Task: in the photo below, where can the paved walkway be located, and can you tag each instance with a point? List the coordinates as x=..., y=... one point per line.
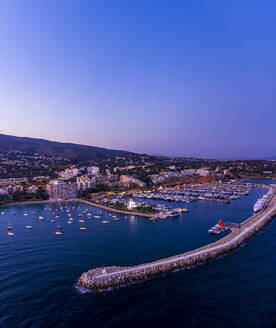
x=115, y=210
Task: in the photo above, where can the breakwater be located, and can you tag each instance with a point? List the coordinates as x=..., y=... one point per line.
x=115, y=210
x=103, y=278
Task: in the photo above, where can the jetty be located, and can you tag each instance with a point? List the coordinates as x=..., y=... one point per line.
x=114, y=276
x=115, y=210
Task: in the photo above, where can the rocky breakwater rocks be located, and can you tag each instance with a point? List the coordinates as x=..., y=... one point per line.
x=107, y=277
x=97, y=278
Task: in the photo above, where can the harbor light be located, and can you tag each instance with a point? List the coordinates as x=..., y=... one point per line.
x=131, y=204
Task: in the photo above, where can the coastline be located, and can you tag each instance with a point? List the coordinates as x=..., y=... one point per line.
x=33, y=202
x=111, y=209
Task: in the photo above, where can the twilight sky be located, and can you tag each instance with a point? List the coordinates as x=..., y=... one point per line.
x=192, y=78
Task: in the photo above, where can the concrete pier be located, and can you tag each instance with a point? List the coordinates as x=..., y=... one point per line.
x=115, y=210
x=106, y=277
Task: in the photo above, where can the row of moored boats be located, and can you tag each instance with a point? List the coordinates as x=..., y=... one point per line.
x=68, y=210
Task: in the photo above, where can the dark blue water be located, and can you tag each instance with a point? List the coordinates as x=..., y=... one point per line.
x=262, y=181
x=38, y=271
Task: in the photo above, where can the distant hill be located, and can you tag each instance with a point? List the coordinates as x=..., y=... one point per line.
x=71, y=151
x=272, y=158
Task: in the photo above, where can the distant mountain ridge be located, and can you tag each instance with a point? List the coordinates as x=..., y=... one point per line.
x=272, y=158
x=74, y=152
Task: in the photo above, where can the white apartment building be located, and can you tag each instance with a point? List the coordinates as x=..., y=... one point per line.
x=203, y=172
x=58, y=189
x=93, y=170
x=188, y=172
x=69, y=173
x=32, y=189
x=128, y=181
x=10, y=181
x=84, y=182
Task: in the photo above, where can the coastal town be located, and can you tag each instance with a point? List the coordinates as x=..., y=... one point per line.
x=127, y=182
x=137, y=185
x=137, y=164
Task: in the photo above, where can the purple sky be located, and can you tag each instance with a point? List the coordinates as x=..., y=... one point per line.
x=191, y=78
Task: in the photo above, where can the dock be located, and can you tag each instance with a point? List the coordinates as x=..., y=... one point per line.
x=107, y=277
x=115, y=210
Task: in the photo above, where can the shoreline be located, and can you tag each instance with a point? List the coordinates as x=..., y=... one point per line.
x=33, y=202
x=115, y=210
x=90, y=203
x=106, y=277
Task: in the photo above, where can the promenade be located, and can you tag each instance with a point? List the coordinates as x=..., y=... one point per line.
x=103, y=278
x=115, y=210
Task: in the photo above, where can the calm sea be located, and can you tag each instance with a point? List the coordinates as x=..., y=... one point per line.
x=38, y=270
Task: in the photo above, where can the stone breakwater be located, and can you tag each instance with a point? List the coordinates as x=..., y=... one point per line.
x=107, y=277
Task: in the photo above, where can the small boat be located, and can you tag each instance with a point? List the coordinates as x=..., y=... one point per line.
x=97, y=216
x=10, y=233
x=71, y=219
x=53, y=221
x=82, y=228
x=116, y=219
x=9, y=226
x=25, y=214
x=69, y=222
x=105, y=221
x=29, y=227
x=41, y=218
x=81, y=221
x=79, y=215
x=3, y=213
x=57, y=216
x=58, y=233
x=59, y=227
x=89, y=214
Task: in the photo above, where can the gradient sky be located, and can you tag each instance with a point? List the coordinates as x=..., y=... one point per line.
x=191, y=78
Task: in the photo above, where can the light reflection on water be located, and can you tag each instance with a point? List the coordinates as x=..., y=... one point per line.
x=39, y=270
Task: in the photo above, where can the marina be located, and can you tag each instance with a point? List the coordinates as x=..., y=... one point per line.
x=47, y=264
x=137, y=164
x=104, y=278
x=219, y=192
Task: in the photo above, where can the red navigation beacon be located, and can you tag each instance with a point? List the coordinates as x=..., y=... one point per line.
x=221, y=223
